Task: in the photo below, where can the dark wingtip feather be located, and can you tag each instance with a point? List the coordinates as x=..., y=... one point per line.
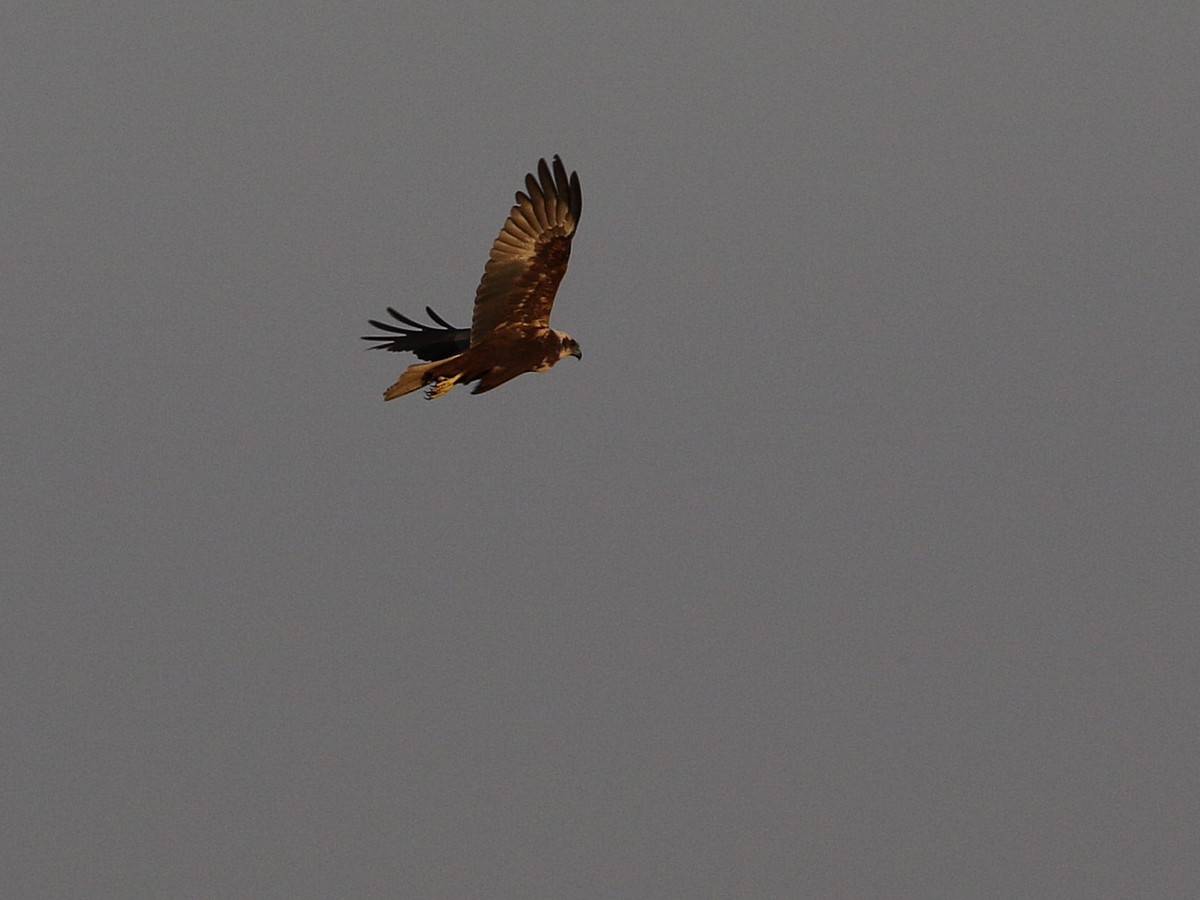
x=533, y=186
x=425, y=341
x=544, y=177
x=567, y=187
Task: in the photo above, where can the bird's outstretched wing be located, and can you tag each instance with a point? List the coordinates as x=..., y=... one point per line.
x=529, y=257
x=426, y=341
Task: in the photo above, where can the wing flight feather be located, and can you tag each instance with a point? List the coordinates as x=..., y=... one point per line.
x=425, y=341
x=529, y=257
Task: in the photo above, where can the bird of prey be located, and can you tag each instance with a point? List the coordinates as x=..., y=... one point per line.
x=510, y=331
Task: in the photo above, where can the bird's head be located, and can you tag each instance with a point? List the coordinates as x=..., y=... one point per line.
x=570, y=347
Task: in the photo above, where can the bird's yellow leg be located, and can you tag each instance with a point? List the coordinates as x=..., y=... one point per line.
x=441, y=386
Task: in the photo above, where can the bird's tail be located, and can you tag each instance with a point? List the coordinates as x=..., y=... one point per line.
x=413, y=378
x=419, y=375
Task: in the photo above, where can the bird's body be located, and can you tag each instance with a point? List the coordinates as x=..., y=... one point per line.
x=491, y=362
x=510, y=332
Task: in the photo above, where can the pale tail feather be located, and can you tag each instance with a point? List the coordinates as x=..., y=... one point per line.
x=413, y=378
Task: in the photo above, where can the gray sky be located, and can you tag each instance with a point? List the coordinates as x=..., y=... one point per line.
x=856, y=558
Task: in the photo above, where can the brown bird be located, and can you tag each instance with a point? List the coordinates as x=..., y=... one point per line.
x=510, y=331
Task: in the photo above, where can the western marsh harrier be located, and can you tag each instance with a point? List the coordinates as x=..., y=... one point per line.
x=510, y=331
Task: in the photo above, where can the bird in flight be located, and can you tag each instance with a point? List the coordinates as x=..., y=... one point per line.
x=510, y=331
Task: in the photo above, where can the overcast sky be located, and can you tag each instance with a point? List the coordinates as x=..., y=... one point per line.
x=856, y=558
